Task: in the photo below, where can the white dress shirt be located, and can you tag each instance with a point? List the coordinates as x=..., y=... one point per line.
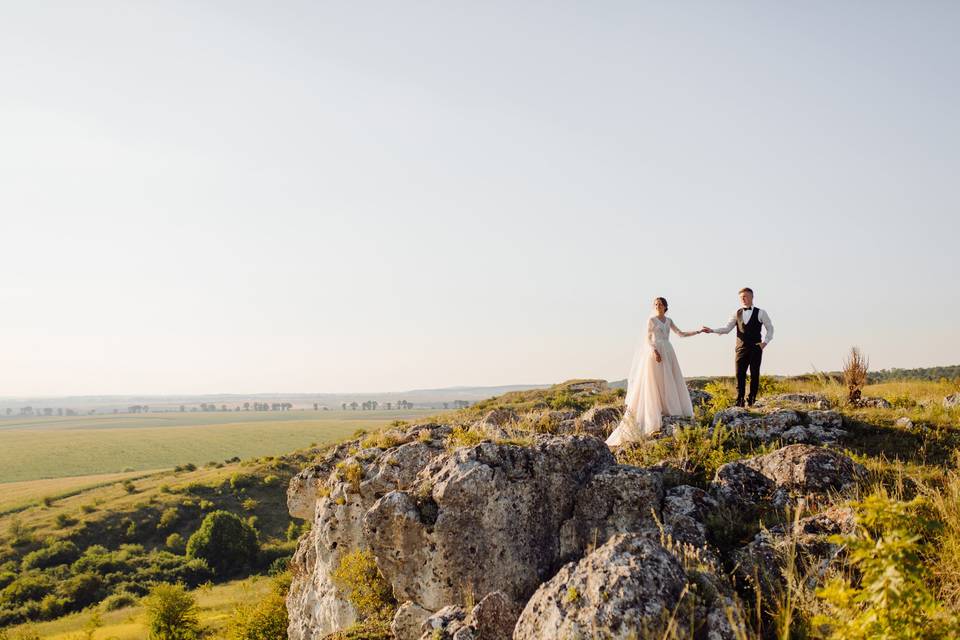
x=747, y=314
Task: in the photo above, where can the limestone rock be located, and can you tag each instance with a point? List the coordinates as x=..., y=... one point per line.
x=628, y=588
x=485, y=518
x=875, y=403
x=600, y=421
x=951, y=401
x=761, y=562
x=493, y=618
x=619, y=499
x=808, y=469
x=685, y=510
x=408, y=620
x=699, y=397
x=355, y=484
x=904, y=423
x=817, y=400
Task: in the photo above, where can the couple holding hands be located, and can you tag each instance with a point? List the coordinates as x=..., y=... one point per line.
x=655, y=386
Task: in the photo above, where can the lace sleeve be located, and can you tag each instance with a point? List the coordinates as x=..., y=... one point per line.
x=683, y=334
x=651, y=337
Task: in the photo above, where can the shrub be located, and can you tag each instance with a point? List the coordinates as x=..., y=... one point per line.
x=47, y=501
x=855, y=368
x=27, y=587
x=240, y=481
x=20, y=533
x=891, y=598
x=171, y=613
x=81, y=590
x=87, y=508
x=168, y=518
x=249, y=504
x=352, y=473
x=358, y=578
x=721, y=395
x=119, y=600
x=63, y=520
x=175, y=542
x=565, y=400
x=59, y=552
x=128, y=486
x=266, y=620
x=271, y=480
x=185, y=467
x=225, y=542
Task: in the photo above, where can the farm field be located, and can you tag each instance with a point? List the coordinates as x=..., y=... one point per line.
x=45, y=448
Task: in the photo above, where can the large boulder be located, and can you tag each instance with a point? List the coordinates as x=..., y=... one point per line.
x=685, y=512
x=778, y=478
x=483, y=519
x=357, y=479
x=807, y=469
x=631, y=587
x=619, y=499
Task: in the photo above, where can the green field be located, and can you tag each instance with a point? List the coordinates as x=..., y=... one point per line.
x=215, y=603
x=42, y=448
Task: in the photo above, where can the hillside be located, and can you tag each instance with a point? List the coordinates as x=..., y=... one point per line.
x=511, y=519
x=495, y=520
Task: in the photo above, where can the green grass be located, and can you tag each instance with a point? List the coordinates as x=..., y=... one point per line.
x=17, y=496
x=216, y=603
x=39, y=448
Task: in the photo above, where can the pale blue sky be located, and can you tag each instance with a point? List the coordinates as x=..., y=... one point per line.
x=347, y=196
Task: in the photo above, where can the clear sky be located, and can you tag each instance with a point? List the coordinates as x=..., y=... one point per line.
x=348, y=196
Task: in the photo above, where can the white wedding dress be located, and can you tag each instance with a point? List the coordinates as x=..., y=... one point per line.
x=654, y=389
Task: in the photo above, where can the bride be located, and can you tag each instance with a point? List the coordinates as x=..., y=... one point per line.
x=656, y=386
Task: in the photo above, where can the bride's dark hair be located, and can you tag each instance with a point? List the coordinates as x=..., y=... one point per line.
x=664, y=301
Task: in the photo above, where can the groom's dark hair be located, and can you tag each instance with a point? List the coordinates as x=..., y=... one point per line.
x=746, y=289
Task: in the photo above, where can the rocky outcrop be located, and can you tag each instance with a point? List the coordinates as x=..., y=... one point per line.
x=872, y=403
x=952, y=401
x=354, y=483
x=470, y=535
x=630, y=587
x=486, y=518
x=794, y=471
x=817, y=400
x=785, y=425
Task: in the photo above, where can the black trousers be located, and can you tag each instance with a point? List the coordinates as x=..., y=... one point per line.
x=748, y=356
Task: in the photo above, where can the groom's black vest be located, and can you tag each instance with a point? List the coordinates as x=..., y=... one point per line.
x=748, y=333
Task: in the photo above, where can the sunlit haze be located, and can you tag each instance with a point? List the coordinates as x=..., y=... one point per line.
x=254, y=197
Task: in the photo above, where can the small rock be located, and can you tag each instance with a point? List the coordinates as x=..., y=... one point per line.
x=875, y=403
x=951, y=401
x=904, y=423
x=600, y=421
x=816, y=399
x=408, y=620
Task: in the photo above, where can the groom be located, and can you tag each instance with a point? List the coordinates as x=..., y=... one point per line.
x=748, y=320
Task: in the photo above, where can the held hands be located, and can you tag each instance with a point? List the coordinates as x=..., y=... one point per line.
x=706, y=329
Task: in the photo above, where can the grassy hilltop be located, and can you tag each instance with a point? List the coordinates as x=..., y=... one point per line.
x=127, y=534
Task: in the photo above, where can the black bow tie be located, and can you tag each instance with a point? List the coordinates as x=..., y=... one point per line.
x=748, y=308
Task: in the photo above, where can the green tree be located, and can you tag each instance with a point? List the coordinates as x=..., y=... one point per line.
x=171, y=613
x=225, y=542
